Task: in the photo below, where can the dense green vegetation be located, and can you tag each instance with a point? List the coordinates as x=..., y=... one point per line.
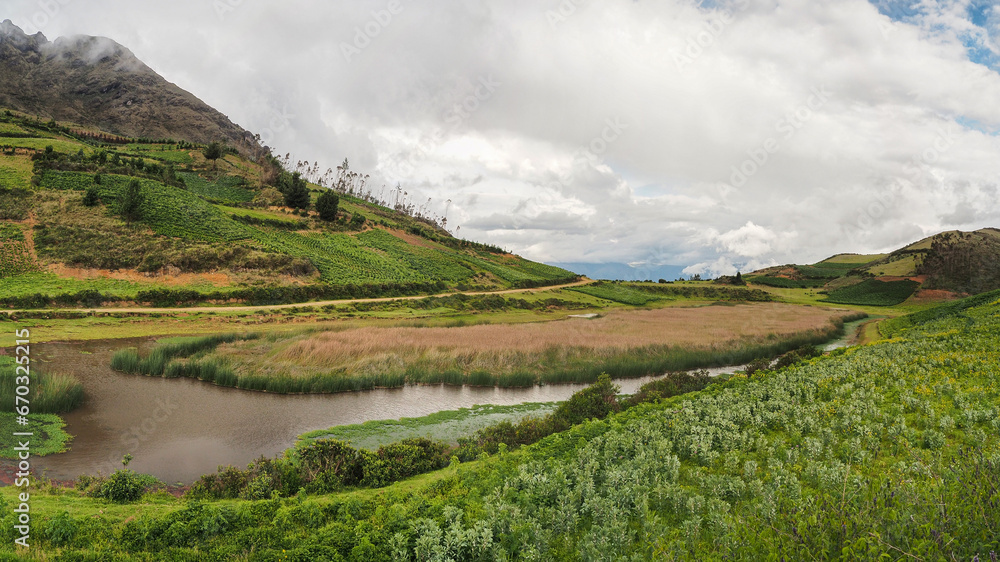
x=954, y=310
x=889, y=451
x=226, y=189
x=874, y=293
x=47, y=429
x=639, y=294
x=323, y=466
x=786, y=283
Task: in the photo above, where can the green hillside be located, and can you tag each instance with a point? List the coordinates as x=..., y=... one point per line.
x=955, y=262
x=211, y=228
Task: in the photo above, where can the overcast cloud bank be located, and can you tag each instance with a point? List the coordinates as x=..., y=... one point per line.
x=718, y=135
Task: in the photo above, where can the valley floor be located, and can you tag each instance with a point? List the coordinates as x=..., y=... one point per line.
x=884, y=450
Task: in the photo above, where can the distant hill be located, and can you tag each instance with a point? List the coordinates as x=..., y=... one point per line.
x=963, y=262
x=953, y=262
x=624, y=271
x=95, y=82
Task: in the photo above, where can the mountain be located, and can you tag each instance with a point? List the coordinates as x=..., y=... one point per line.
x=209, y=230
x=94, y=82
x=624, y=271
x=112, y=198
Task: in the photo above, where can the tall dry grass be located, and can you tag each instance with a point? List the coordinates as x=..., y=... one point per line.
x=685, y=327
x=624, y=344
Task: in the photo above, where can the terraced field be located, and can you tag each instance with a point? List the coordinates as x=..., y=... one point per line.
x=874, y=293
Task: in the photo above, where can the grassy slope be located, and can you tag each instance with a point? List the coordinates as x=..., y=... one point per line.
x=182, y=228
x=952, y=261
x=887, y=449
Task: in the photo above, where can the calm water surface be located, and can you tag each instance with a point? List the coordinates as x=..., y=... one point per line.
x=179, y=429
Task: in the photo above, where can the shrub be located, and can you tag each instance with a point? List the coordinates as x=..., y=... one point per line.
x=228, y=483
x=933, y=439
x=404, y=459
x=358, y=221
x=329, y=464
x=61, y=529
x=673, y=384
x=125, y=486
x=92, y=197
x=130, y=202
x=594, y=402
x=760, y=364
x=327, y=205
x=296, y=191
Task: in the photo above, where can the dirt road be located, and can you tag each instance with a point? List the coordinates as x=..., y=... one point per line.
x=584, y=281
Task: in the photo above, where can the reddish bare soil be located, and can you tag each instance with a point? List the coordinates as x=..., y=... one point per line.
x=935, y=295
x=169, y=279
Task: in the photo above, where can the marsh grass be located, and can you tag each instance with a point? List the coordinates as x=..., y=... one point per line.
x=179, y=359
x=354, y=359
x=50, y=393
x=57, y=394
x=624, y=345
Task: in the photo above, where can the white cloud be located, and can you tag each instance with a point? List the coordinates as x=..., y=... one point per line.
x=890, y=156
x=750, y=241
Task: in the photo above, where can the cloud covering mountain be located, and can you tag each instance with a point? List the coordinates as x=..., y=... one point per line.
x=720, y=135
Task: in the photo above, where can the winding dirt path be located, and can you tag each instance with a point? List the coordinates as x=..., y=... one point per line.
x=580, y=283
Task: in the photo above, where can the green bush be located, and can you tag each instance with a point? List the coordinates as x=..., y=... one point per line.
x=125, y=486
x=61, y=529
x=673, y=384
x=92, y=197
x=327, y=206
x=324, y=466
x=759, y=364
x=597, y=401
x=933, y=439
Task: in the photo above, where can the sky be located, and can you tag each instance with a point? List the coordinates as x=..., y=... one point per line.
x=720, y=135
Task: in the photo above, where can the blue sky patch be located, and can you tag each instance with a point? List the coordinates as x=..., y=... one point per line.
x=979, y=13
x=898, y=10
x=976, y=125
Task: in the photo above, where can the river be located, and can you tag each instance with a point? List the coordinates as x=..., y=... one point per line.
x=179, y=429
